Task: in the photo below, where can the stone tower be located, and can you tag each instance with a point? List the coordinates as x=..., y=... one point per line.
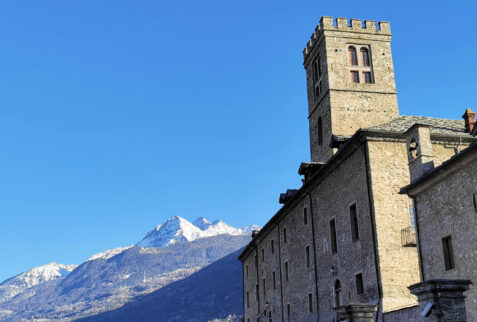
x=350, y=81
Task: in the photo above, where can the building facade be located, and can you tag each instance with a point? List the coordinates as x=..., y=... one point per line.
x=348, y=234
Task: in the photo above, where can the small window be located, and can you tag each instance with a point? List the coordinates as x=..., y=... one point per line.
x=412, y=213
x=263, y=255
x=264, y=289
x=337, y=290
x=319, y=66
x=334, y=245
x=274, y=281
x=307, y=254
x=285, y=235
x=286, y=272
x=310, y=302
x=288, y=310
x=354, y=76
x=353, y=215
x=256, y=291
x=320, y=131
x=367, y=77
x=359, y=284
x=248, y=299
x=270, y=316
x=305, y=216
x=315, y=72
x=353, y=57
x=448, y=253
x=365, y=54
x=273, y=246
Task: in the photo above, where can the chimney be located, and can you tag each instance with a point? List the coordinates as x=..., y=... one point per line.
x=469, y=118
x=419, y=148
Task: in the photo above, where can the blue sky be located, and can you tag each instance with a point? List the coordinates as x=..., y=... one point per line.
x=116, y=115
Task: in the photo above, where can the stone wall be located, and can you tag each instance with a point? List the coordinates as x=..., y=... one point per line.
x=447, y=209
x=399, y=266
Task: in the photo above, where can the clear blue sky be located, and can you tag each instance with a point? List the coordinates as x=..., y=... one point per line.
x=115, y=115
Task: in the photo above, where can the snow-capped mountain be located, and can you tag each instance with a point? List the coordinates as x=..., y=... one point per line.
x=109, y=279
x=35, y=276
x=179, y=229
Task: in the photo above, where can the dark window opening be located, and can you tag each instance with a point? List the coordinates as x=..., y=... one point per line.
x=353, y=214
x=353, y=57
x=256, y=292
x=273, y=246
x=288, y=310
x=264, y=289
x=263, y=255
x=286, y=272
x=284, y=235
x=270, y=316
x=367, y=77
x=248, y=299
x=359, y=284
x=337, y=290
x=354, y=76
x=320, y=131
x=305, y=216
x=274, y=281
x=334, y=245
x=307, y=251
x=365, y=54
x=310, y=302
x=448, y=253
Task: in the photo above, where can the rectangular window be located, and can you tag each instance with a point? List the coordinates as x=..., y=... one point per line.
x=353, y=216
x=273, y=246
x=359, y=284
x=310, y=302
x=307, y=251
x=284, y=235
x=412, y=213
x=354, y=76
x=334, y=245
x=288, y=310
x=448, y=253
x=264, y=290
x=274, y=281
x=305, y=216
x=248, y=299
x=317, y=89
x=256, y=291
x=263, y=255
x=286, y=272
x=367, y=77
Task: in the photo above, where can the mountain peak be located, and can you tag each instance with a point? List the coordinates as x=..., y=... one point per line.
x=176, y=229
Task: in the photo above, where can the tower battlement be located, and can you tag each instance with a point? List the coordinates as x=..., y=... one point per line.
x=346, y=25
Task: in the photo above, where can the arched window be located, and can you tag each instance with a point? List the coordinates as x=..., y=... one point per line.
x=320, y=131
x=365, y=54
x=337, y=293
x=353, y=57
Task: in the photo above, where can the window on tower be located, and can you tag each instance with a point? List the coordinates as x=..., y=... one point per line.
x=354, y=74
x=365, y=55
x=353, y=57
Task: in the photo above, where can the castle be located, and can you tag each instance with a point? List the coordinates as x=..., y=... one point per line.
x=344, y=244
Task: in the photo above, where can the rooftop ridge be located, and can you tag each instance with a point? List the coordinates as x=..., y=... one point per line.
x=348, y=25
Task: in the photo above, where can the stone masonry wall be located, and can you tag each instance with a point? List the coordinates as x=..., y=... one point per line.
x=399, y=265
x=332, y=200
x=447, y=209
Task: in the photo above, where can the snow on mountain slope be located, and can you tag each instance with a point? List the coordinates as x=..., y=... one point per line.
x=201, y=223
x=108, y=253
x=179, y=229
x=35, y=276
x=173, y=230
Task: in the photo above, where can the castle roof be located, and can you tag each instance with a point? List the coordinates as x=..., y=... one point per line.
x=440, y=127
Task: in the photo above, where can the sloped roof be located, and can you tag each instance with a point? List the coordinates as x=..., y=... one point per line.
x=438, y=126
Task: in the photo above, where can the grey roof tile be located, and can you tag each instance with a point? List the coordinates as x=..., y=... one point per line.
x=438, y=126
